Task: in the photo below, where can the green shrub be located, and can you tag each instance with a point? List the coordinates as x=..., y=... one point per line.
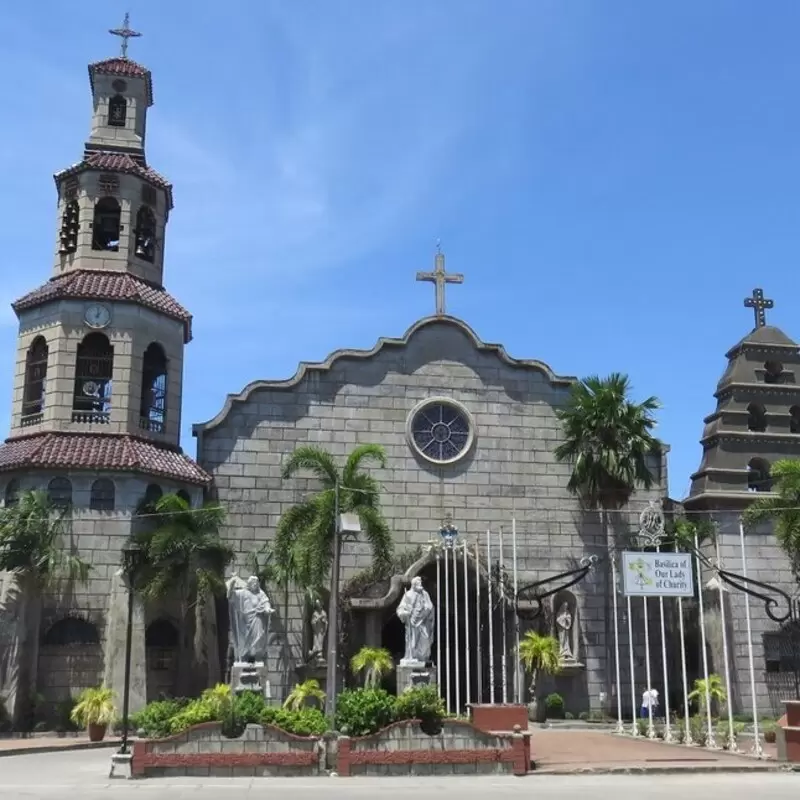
x=154, y=719
x=303, y=722
x=569, y=715
x=422, y=703
x=554, y=703
x=584, y=716
x=722, y=730
x=62, y=716
x=248, y=707
x=363, y=711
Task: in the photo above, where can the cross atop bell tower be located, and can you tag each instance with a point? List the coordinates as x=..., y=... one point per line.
x=759, y=304
x=125, y=33
x=440, y=278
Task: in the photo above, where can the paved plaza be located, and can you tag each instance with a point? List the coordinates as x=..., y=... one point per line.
x=66, y=775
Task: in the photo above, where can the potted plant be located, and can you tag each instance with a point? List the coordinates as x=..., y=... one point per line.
x=94, y=711
x=539, y=653
x=554, y=706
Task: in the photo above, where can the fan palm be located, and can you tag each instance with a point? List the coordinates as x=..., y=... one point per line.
x=33, y=547
x=302, y=693
x=783, y=508
x=607, y=439
x=707, y=690
x=539, y=654
x=374, y=662
x=305, y=535
x=185, y=558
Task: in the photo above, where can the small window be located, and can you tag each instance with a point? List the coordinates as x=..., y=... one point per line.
x=106, y=225
x=35, y=380
x=70, y=225
x=758, y=476
x=12, y=493
x=773, y=370
x=145, y=234
x=117, y=111
x=756, y=418
x=102, y=495
x=59, y=490
x=184, y=495
x=152, y=495
x=94, y=369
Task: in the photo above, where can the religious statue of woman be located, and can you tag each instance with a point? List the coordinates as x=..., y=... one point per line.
x=319, y=627
x=564, y=625
x=416, y=612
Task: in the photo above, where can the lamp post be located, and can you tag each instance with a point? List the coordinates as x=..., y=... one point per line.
x=131, y=555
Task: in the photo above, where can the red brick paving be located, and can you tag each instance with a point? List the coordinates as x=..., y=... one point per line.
x=562, y=751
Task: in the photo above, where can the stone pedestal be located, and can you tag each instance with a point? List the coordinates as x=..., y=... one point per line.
x=413, y=674
x=121, y=766
x=251, y=677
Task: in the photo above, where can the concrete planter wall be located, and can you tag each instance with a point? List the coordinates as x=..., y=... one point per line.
x=460, y=749
x=203, y=751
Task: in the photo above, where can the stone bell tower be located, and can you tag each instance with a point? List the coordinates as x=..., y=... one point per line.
x=96, y=407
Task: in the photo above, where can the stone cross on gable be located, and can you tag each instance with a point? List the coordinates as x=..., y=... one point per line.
x=440, y=278
x=759, y=304
x=125, y=33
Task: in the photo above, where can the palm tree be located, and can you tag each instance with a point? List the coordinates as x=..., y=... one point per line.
x=185, y=558
x=302, y=693
x=711, y=690
x=539, y=654
x=32, y=546
x=607, y=439
x=374, y=662
x=305, y=536
x=783, y=508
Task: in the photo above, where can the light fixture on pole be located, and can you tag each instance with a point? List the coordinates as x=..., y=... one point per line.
x=131, y=561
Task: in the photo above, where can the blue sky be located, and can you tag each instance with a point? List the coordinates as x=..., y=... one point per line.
x=613, y=178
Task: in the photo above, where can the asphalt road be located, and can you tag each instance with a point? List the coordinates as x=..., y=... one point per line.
x=84, y=774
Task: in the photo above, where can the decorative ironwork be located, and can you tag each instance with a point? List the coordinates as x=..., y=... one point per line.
x=651, y=525
x=448, y=532
x=758, y=303
x=547, y=587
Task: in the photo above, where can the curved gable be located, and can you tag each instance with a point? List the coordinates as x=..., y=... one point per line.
x=307, y=369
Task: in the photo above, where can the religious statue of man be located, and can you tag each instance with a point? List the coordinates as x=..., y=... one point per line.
x=564, y=625
x=416, y=612
x=319, y=627
x=249, y=611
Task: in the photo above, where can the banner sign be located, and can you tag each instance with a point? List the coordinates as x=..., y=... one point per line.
x=657, y=574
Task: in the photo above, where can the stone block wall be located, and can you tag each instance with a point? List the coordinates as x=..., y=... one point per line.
x=356, y=398
x=203, y=751
x=460, y=749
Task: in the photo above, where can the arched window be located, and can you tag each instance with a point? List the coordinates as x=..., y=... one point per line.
x=152, y=494
x=773, y=370
x=12, y=493
x=70, y=225
x=102, y=495
x=35, y=380
x=184, y=495
x=117, y=111
x=794, y=419
x=94, y=369
x=153, y=409
x=161, y=633
x=758, y=477
x=145, y=234
x=59, y=490
x=71, y=630
x=106, y=225
x=756, y=418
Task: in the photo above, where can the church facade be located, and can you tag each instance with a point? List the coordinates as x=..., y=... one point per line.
x=469, y=433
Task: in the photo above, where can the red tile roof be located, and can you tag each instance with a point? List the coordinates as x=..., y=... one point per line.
x=100, y=285
x=117, y=162
x=124, y=68
x=99, y=451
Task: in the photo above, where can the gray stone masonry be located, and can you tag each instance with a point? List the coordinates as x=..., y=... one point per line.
x=358, y=397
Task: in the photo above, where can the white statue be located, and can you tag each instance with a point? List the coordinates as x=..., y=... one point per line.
x=416, y=612
x=249, y=611
x=319, y=627
x=564, y=626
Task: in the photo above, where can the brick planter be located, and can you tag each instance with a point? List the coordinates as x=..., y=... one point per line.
x=460, y=749
x=499, y=717
x=204, y=751
x=789, y=733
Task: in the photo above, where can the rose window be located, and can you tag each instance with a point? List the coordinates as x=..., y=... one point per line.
x=440, y=431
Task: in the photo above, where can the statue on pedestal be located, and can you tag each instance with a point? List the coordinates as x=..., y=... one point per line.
x=319, y=627
x=564, y=629
x=417, y=613
x=249, y=610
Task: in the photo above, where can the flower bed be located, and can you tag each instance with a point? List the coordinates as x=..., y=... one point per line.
x=204, y=751
x=403, y=748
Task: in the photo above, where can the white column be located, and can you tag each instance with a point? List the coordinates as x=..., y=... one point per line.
x=687, y=735
x=447, y=629
x=667, y=723
x=517, y=670
x=620, y=728
x=757, y=749
x=467, y=622
x=634, y=724
x=731, y=733
x=651, y=731
x=710, y=740
x=439, y=619
x=490, y=598
x=478, y=636
x=504, y=611
x=456, y=619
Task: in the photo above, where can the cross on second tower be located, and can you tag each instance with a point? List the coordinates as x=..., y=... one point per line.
x=759, y=304
x=440, y=278
x=125, y=33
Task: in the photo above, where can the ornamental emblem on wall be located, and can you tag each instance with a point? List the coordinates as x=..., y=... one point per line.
x=651, y=525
